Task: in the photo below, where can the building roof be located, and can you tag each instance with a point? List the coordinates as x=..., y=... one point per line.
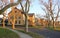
x=31, y=14
x=16, y=10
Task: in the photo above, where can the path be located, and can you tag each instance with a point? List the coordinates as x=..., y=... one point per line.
x=21, y=35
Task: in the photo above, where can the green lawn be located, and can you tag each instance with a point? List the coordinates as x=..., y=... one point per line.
x=5, y=33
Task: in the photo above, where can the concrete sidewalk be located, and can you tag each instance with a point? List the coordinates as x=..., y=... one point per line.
x=21, y=35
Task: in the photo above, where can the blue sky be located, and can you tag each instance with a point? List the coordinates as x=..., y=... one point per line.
x=36, y=7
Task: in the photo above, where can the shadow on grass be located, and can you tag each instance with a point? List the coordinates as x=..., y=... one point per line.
x=6, y=33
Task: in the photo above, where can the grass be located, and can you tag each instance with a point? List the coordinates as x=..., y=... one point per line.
x=36, y=26
x=5, y=33
x=57, y=28
x=50, y=28
x=34, y=35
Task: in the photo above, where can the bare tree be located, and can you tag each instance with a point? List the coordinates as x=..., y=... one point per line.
x=12, y=19
x=3, y=9
x=4, y=3
x=49, y=8
x=25, y=9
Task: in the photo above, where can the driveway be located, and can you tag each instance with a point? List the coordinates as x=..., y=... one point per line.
x=46, y=33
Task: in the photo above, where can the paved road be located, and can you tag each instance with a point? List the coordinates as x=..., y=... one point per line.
x=46, y=33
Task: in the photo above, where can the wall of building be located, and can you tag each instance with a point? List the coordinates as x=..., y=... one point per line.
x=19, y=17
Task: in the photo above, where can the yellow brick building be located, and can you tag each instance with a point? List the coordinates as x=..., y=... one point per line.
x=31, y=19
x=19, y=17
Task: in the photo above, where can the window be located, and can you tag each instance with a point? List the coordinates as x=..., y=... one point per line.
x=19, y=22
x=19, y=17
x=15, y=11
x=15, y=22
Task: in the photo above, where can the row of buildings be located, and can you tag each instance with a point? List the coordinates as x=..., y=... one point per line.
x=20, y=19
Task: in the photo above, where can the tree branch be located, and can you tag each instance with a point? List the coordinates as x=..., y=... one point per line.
x=8, y=6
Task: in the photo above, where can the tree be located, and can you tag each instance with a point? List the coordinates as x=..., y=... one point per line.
x=6, y=7
x=12, y=18
x=25, y=10
x=50, y=7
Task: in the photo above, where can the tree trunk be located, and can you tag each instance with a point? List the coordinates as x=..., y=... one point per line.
x=54, y=26
x=53, y=23
x=26, y=22
x=13, y=24
x=3, y=22
x=49, y=24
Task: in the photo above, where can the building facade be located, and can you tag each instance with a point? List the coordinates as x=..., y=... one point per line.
x=31, y=19
x=20, y=18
